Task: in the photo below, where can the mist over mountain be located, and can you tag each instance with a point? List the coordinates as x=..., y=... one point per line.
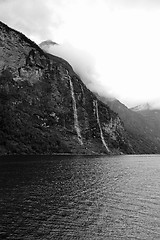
x=125, y=64
x=82, y=62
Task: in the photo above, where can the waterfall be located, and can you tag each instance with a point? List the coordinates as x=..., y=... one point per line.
x=76, y=124
x=98, y=121
x=84, y=102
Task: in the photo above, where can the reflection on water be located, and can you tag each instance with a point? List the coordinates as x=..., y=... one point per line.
x=67, y=197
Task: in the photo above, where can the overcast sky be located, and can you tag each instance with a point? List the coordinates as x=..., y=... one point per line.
x=119, y=39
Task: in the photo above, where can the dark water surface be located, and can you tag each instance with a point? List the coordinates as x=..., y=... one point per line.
x=66, y=197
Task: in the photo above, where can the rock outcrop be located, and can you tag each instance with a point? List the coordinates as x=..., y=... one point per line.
x=45, y=107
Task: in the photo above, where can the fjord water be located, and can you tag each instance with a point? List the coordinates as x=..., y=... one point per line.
x=71, y=197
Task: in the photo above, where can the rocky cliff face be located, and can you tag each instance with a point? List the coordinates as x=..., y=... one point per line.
x=46, y=109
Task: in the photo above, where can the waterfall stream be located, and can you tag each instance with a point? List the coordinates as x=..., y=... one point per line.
x=98, y=121
x=76, y=124
x=84, y=102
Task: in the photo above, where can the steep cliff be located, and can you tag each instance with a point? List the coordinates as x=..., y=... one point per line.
x=45, y=107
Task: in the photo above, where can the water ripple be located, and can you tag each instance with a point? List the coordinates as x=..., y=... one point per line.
x=81, y=198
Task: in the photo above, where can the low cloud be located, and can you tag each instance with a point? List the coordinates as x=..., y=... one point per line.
x=36, y=18
x=82, y=62
x=41, y=20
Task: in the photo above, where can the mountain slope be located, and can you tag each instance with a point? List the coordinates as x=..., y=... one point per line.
x=152, y=117
x=141, y=133
x=46, y=109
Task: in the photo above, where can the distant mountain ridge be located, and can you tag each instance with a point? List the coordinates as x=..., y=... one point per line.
x=142, y=107
x=154, y=105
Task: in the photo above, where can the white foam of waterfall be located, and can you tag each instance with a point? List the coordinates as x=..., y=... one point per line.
x=84, y=102
x=98, y=121
x=76, y=124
